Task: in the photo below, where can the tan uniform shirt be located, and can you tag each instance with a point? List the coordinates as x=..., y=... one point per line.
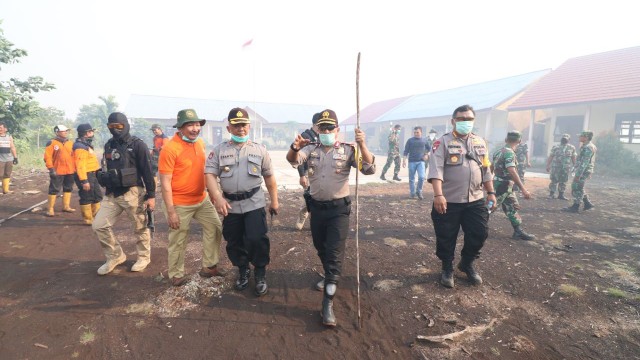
x=329, y=171
x=461, y=177
x=240, y=169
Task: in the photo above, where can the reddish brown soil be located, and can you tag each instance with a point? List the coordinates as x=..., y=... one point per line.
x=54, y=306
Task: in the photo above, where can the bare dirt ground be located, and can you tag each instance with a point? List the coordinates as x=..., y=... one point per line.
x=574, y=293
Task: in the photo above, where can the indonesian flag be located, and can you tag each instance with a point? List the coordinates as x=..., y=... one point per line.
x=247, y=43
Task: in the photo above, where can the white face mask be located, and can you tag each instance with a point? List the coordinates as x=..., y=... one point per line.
x=432, y=136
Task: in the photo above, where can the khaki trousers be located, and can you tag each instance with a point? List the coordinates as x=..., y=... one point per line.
x=132, y=203
x=204, y=213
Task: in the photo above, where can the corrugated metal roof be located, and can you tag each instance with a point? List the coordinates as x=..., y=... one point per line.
x=374, y=111
x=611, y=75
x=162, y=107
x=481, y=96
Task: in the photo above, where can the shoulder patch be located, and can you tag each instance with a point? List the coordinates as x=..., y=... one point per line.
x=436, y=145
x=212, y=154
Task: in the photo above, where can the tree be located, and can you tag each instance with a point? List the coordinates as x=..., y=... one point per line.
x=16, y=96
x=97, y=115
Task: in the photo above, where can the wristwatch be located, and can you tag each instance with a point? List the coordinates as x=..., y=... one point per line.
x=293, y=148
x=491, y=193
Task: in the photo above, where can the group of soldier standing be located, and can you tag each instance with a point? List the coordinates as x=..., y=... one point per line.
x=468, y=183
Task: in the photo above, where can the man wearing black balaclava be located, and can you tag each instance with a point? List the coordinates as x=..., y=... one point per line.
x=126, y=175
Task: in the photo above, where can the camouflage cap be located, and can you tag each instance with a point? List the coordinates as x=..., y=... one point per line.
x=566, y=136
x=514, y=136
x=187, y=116
x=238, y=116
x=328, y=117
x=156, y=126
x=433, y=131
x=586, y=133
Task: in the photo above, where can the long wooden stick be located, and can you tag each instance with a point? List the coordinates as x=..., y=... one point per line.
x=357, y=199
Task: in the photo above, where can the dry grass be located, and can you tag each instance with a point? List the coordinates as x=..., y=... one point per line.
x=570, y=290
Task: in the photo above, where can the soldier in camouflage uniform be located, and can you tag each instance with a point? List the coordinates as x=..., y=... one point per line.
x=394, y=154
x=505, y=176
x=522, y=155
x=561, y=160
x=583, y=170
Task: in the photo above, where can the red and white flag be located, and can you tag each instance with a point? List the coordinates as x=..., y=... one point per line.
x=247, y=43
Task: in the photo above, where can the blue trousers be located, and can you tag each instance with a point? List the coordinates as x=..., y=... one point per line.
x=414, y=167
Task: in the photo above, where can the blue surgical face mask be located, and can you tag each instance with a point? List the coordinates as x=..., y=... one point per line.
x=240, y=139
x=464, y=127
x=328, y=139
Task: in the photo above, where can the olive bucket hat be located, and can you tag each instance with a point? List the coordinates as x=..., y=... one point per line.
x=187, y=116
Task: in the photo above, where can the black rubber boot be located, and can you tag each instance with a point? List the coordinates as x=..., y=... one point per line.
x=587, y=204
x=561, y=196
x=551, y=195
x=575, y=208
x=261, y=281
x=519, y=234
x=446, y=278
x=466, y=266
x=243, y=279
x=382, y=177
x=328, y=317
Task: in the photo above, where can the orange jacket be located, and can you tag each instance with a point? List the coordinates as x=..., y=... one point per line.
x=85, y=159
x=59, y=155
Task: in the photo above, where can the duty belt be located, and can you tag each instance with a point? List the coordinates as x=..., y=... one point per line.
x=330, y=203
x=241, y=195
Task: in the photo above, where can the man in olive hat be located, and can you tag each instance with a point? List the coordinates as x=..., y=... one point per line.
x=561, y=160
x=159, y=141
x=583, y=169
x=241, y=165
x=130, y=187
x=87, y=165
x=505, y=176
x=393, y=153
x=181, y=168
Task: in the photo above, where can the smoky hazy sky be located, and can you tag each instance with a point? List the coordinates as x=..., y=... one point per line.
x=303, y=52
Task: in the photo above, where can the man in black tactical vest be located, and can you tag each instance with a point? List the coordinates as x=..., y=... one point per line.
x=130, y=187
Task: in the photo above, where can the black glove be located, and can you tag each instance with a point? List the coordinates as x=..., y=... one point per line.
x=15, y=161
x=52, y=173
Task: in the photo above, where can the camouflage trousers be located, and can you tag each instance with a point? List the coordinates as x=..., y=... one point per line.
x=395, y=159
x=507, y=200
x=559, y=178
x=520, y=170
x=577, y=188
x=154, y=163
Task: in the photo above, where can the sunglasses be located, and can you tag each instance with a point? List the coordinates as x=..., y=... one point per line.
x=327, y=127
x=116, y=126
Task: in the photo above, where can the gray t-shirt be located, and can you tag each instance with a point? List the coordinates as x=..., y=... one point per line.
x=5, y=148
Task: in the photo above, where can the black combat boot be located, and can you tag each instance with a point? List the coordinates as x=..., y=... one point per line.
x=261, y=281
x=446, y=278
x=561, y=196
x=551, y=196
x=466, y=266
x=243, y=279
x=587, y=204
x=382, y=177
x=575, y=208
x=519, y=234
x=328, y=317
x=396, y=178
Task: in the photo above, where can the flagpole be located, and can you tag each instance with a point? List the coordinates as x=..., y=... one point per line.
x=357, y=195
